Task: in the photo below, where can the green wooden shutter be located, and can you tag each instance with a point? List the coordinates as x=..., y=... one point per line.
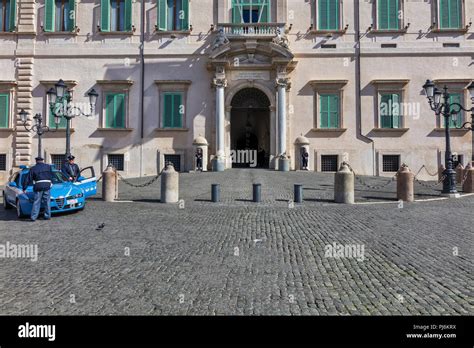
x=128, y=15
x=4, y=110
x=71, y=20
x=167, y=110
x=49, y=15
x=328, y=14
x=119, y=110
x=333, y=109
x=162, y=15
x=12, y=16
x=178, y=111
x=395, y=111
x=105, y=15
x=236, y=12
x=385, y=111
x=324, y=111
x=109, y=110
x=393, y=7
x=184, y=16
x=51, y=123
x=383, y=14
x=450, y=14
x=265, y=12
x=455, y=120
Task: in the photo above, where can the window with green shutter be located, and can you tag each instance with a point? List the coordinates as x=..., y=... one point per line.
x=7, y=15
x=329, y=111
x=57, y=109
x=388, y=14
x=115, y=110
x=390, y=110
x=4, y=109
x=59, y=15
x=450, y=14
x=251, y=11
x=173, y=15
x=456, y=120
x=116, y=15
x=328, y=14
x=173, y=110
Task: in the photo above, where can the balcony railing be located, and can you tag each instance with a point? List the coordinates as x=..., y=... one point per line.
x=260, y=30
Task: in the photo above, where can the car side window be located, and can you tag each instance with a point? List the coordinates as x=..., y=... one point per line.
x=16, y=179
x=24, y=177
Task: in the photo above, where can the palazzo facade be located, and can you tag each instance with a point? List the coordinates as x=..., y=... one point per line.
x=341, y=79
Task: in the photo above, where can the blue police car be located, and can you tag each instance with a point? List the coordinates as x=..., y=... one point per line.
x=65, y=195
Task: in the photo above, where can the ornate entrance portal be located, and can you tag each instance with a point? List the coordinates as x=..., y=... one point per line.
x=250, y=129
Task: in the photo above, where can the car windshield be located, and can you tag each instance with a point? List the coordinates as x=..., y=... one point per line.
x=58, y=178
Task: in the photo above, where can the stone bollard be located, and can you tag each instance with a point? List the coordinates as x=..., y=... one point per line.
x=459, y=173
x=109, y=184
x=441, y=170
x=405, y=184
x=298, y=193
x=344, y=185
x=169, y=185
x=215, y=193
x=468, y=184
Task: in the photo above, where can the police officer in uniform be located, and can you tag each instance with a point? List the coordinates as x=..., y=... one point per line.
x=70, y=169
x=304, y=158
x=40, y=175
x=199, y=159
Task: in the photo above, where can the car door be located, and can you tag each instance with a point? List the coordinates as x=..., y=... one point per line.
x=11, y=189
x=87, y=181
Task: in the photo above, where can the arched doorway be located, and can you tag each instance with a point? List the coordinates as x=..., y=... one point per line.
x=250, y=129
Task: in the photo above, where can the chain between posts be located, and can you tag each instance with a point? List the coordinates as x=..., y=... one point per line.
x=125, y=181
x=373, y=187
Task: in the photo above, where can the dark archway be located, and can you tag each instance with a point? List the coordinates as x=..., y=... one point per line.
x=250, y=129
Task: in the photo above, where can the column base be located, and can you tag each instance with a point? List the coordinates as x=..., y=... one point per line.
x=283, y=165
x=218, y=165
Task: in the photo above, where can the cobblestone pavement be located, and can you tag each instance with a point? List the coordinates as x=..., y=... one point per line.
x=243, y=258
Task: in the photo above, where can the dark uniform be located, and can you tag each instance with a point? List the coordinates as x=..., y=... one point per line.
x=199, y=159
x=70, y=170
x=304, y=158
x=40, y=175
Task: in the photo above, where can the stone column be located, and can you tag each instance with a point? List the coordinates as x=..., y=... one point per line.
x=283, y=162
x=218, y=163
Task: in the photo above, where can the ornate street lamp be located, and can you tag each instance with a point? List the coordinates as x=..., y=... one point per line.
x=447, y=110
x=60, y=105
x=37, y=127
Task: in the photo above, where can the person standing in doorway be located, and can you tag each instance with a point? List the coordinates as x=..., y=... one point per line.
x=70, y=169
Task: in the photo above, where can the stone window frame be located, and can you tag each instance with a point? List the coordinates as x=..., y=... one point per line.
x=185, y=32
x=402, y=28
x=314, y=19
x=112, y=151
x=170, y=86
x=114, y=86
x=47, y=84
x=454, y=86
x=324, y=87
x=389, y=86
x=436, y=22
x=9, y=87
x=278, y=11
x=379, y=158
x=42, y=17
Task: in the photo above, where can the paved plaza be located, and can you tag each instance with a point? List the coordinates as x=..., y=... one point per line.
x=237, y=257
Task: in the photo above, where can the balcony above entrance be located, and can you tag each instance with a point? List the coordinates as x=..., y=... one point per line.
x=251, y=30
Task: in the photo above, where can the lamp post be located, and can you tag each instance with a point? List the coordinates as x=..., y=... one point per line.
x=37, y=127
x=60, y=105
x=447, y=110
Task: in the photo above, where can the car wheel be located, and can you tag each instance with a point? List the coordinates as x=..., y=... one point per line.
x=19, y=213
x=6, y=205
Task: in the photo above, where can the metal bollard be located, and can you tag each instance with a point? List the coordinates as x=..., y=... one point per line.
x=344, y=185
x=257, y=193
x=298, y=193
x=169, y=185
x=405, y=184
x=216, y=193
x=109, y=184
